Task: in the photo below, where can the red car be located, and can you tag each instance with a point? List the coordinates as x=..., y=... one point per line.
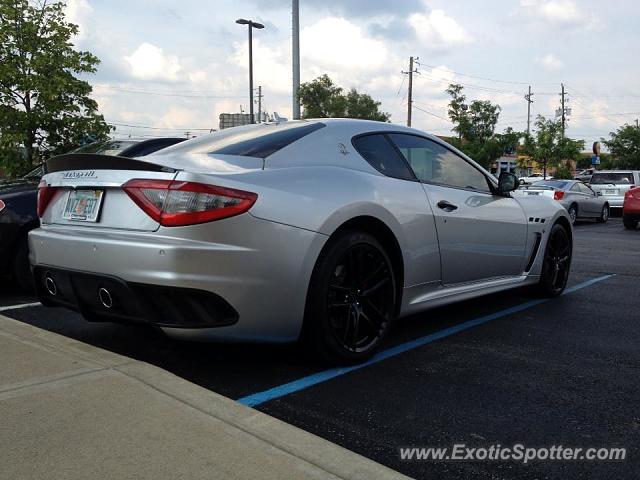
x=631, y=208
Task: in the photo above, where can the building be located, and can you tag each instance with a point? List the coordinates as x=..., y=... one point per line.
x=228, y=120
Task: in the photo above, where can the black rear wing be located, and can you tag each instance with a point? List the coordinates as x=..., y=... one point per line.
x=92, y=161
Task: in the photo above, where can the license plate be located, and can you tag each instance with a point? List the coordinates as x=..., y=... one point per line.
x=83, y=205
x=610, y=192
x=533, y=193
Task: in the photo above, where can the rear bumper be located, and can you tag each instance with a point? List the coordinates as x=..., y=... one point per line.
x=258, y=268
x=105, y=298
x=614, y=201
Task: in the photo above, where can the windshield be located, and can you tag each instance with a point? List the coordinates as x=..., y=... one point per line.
x=35, y=174
x=111, y=147
x=551, y=184
x=616, y=178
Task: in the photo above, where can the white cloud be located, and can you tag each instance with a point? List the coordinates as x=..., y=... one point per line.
x=78, y=11
x=437, y=31
x=149, y=62
x=550, y=62
x=270, y=65
x=336, y=43
x=563, y=13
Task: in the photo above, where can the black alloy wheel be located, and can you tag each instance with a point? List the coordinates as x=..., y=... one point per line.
x=353, y=299
x=557, y=262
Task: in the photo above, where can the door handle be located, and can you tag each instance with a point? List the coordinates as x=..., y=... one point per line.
x=446, y=206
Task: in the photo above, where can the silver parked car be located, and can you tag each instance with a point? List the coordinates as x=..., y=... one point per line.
x=320, y=230
x=585, y=175
x=613, y=184
x=578, y=198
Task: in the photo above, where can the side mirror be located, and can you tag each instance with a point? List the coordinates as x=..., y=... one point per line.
x=507, y=182
x=598, y=193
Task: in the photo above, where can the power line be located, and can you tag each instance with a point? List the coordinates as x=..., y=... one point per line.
x=164, y=94
x=487, y=78
x=149, y=127
x=431, y=113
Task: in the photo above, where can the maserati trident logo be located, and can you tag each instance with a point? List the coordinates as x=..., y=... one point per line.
x=79, y=175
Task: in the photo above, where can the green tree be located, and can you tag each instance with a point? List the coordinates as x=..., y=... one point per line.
x=624, y=146
x=458, y=109
x=475, y=123
x=44, y=108
x=549, y=148
x=321, y=98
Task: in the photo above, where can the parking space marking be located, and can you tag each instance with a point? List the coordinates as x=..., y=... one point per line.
x=259, y=398
x=19, y=305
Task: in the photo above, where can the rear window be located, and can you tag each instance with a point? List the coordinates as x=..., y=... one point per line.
x=110, y=147
x=261, y=143
x=551, y=183
x=616, y=178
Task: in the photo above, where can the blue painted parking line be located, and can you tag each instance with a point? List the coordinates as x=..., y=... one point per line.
x=259, y=398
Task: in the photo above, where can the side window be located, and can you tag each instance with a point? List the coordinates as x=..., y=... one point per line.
x=434, y=163
x=585, y=189
x=576, y=188
x=381, y=155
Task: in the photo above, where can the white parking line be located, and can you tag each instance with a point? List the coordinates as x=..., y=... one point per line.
x=20, y=305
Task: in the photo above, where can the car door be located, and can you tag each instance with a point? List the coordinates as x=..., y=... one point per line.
x=577, y=196
x=594, y=203
x=481, y=235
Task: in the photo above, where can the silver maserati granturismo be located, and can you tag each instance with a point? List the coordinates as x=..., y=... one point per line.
x=324, y=231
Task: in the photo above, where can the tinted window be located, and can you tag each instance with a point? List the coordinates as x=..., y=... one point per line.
x=382, y=156
x=149, y=146
x=434, y=163
x=263, y=142
x=616, y=178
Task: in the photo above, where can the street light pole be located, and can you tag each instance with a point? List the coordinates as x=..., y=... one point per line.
x=251, y=25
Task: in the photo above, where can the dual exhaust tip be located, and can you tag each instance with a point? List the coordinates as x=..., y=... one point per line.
x=104, y=296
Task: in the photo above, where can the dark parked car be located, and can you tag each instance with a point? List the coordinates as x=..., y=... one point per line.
x=18, y=200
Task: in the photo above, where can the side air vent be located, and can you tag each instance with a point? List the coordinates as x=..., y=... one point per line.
x=536, y=247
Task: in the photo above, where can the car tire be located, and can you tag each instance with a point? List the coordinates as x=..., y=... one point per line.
x=628, y=223
x=352, y=299
x=573, y=213
x=22, y=269
x=556, y=263
x=604, y=215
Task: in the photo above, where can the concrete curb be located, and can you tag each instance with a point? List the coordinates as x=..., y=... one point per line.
x=307, y=448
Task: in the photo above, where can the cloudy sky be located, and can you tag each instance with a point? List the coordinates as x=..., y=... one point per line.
x=175, y=66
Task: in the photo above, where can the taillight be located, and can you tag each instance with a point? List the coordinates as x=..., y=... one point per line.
x=173, y=203
x=558, y=195
x=45, y=195
x=2, y=205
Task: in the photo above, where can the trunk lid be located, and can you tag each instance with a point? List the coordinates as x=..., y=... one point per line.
x=76, y=177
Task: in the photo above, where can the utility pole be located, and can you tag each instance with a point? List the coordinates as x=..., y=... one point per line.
x=563, y=109
x=259, y=103
x=410, y=88
x=295, y=55
x=527, y=97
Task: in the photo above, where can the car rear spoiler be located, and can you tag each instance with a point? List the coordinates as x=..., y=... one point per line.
x=92, y=161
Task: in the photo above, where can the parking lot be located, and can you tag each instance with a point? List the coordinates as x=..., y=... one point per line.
x=504, y=369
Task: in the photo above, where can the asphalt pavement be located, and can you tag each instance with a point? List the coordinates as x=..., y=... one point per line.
x=506, y=368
